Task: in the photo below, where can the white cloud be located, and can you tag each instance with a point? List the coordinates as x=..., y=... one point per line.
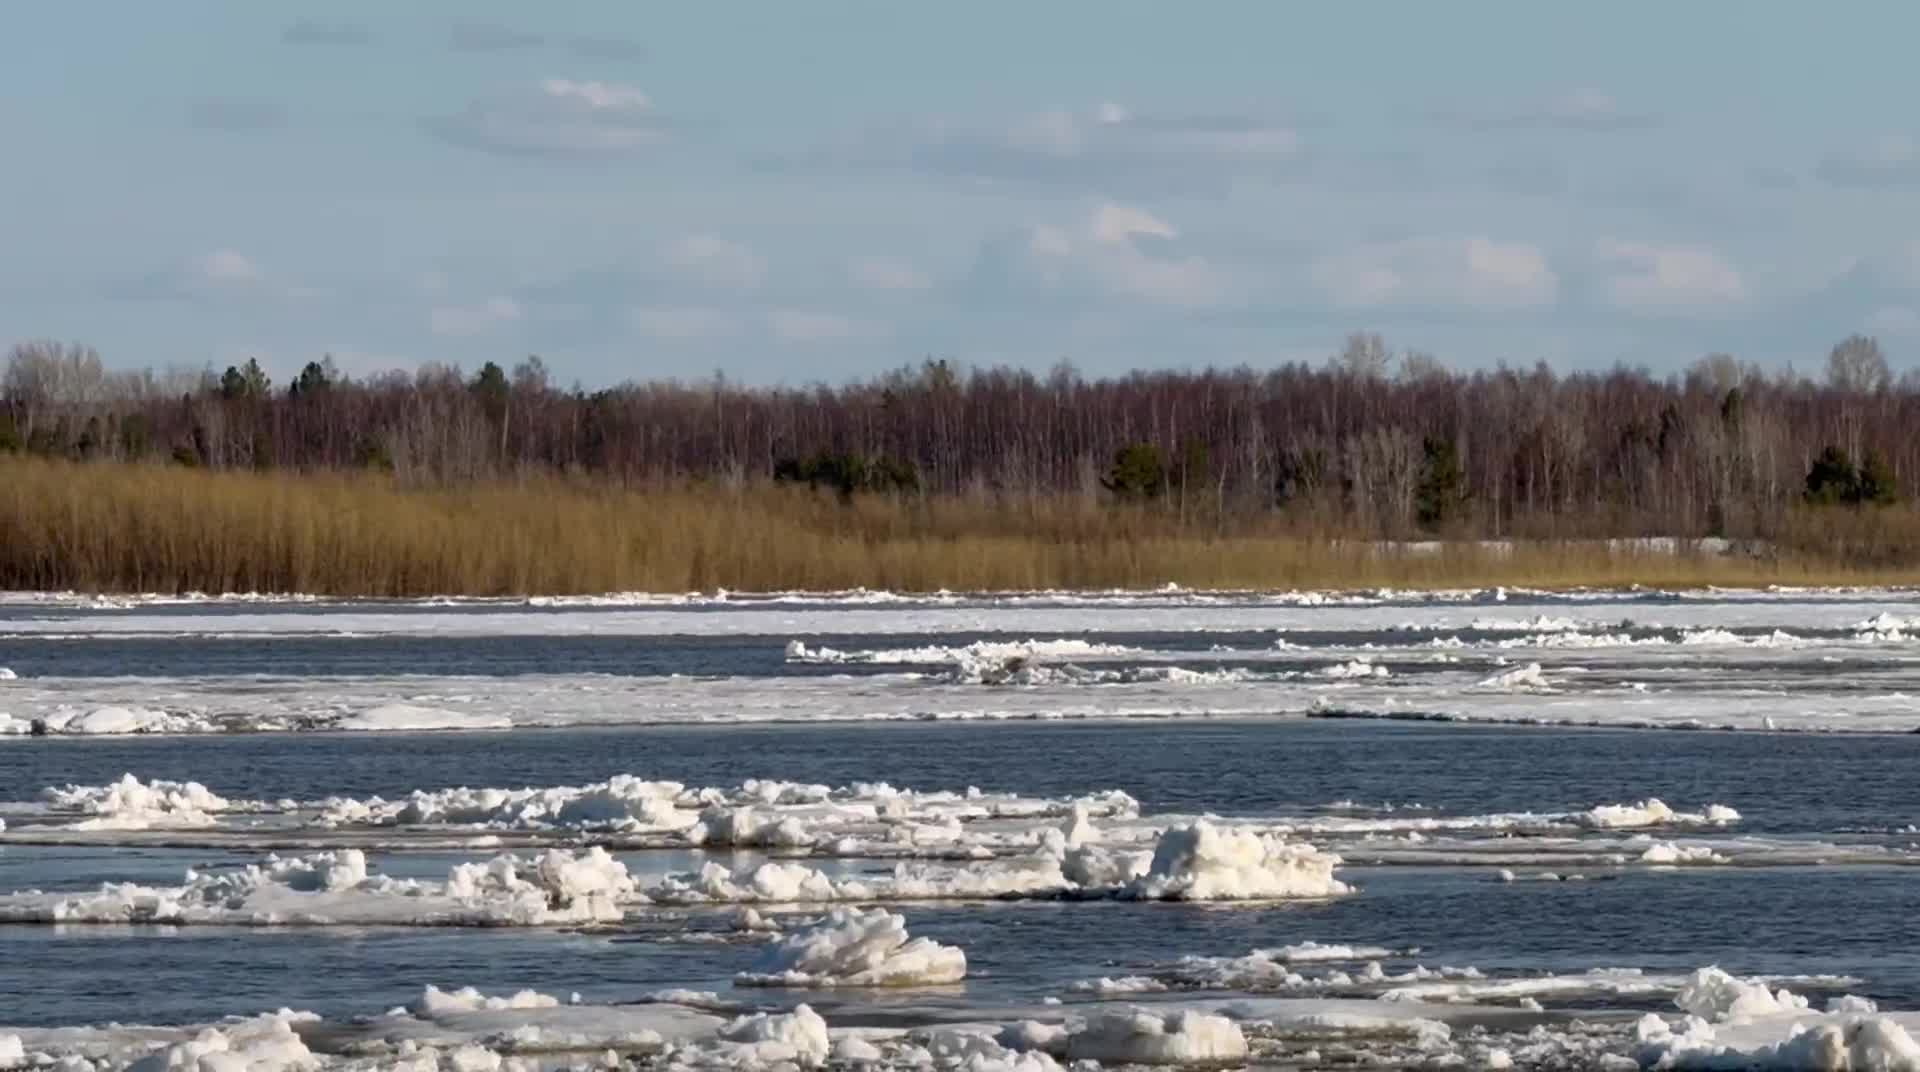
x=226, y=267
x=1587, y=107
x=806, y=325
x=598, y=96
x=225, y=274
x=681, y=322
x=1121, y=250
x=466, y=321
x=1676, y=279
x=557, y=117
x=883, y=273
x=1471, y=272
x=1114, y=223
x=716, y=261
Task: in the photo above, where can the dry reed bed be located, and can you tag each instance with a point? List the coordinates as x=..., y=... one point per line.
x=149, y=528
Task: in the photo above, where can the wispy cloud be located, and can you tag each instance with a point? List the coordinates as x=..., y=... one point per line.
x=558, y=117
x=1897, y=321
x=235, y=114
x=1891, y=162
x=1528, y=176
x=1652, y=278
x=469, y=36
x=682, y=323
x=219, y=274
x=809, y=326
x=716, y=261
x=1108, y=147
x=1118, y=250
x=1473, y=272
x=1586, y=109
x=227, y=266
x=607, y=48
x=468, y=321
x=324, y=32
x=885, y=273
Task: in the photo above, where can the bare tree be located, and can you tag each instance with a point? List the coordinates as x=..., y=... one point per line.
x=1856, y=365
x=1364, y=357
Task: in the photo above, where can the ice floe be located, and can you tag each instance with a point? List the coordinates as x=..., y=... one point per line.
x=1146, y=1037
x=335, y=888
x=130, y=804
x=1733, y=1023
x=1206, y=862
x=856, y=948
x=414, y=718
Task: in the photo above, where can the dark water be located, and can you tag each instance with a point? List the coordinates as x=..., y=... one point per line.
x=1783, y=783
x=1778, y=920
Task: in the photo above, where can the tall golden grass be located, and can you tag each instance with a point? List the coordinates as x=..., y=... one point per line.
x=149, y=528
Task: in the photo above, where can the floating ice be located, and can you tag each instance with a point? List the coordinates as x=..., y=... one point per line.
x=856, y=948
x=1145, y=1037
x=130, y=804
x=1529, y=676
x=434, y=1001
x=1205, y=862
x=770, y=1038
x=1654, y=812
x=261, y=1044
x=1734, y=1023
x=1667, y=853
x=1712, y=994
x=1314, y=952
x=748, y=826
x=115, y=719
x=335, y=888
x=978, y=652
x=761, y=813
x=411, y=718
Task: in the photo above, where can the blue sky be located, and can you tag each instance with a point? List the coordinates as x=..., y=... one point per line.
x=801, y=192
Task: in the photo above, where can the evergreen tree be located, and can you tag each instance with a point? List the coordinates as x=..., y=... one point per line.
x=1138, y=473
x=1442, y=492
x=1876, y=485
x=1833, y=479
x=247, y=381
x=312, y=380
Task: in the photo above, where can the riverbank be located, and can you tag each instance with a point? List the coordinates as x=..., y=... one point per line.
x=109, y=527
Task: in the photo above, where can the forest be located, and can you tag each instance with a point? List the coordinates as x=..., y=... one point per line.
x=1372, y=443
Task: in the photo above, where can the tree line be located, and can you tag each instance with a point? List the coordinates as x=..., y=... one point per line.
x=1372, y=441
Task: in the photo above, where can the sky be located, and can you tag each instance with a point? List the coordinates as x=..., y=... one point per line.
x=794, y=193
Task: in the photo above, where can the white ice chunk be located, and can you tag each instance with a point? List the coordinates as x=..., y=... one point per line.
x=130, y=804
x=857, y=948
x=1153, y=1038
x=770, y=1038
x=398, y=717
x=1205, y=862
x=1714, y=995
x=335, y=888
x=434, y=1002
x=261, y=1044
